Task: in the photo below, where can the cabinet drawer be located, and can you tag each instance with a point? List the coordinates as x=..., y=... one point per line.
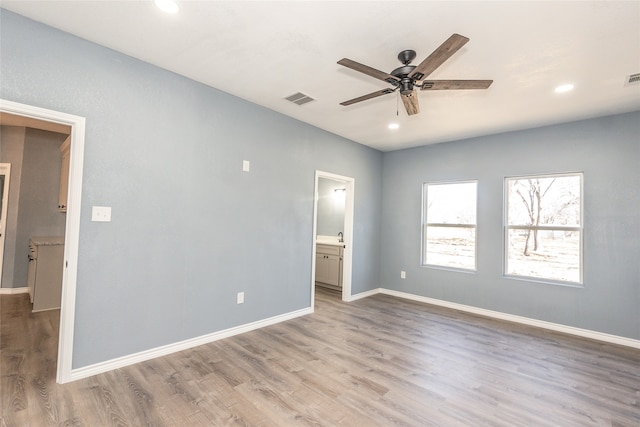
x=328, y=249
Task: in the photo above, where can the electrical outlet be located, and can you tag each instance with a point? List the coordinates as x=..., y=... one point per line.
x=246, y=165
x=403, y=274
x=240, y=298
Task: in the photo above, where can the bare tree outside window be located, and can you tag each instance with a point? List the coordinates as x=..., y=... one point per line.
x=531, y=193
x=544, y=227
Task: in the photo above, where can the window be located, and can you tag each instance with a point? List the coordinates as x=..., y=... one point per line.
x=543, y=231
x=449, y=230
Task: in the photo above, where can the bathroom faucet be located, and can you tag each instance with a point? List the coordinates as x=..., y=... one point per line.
x=341, y=239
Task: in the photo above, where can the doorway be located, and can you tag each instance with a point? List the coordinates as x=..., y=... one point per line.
x=72, y=228
x=345, y=196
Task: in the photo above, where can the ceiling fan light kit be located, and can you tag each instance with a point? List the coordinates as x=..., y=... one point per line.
x=409, y=77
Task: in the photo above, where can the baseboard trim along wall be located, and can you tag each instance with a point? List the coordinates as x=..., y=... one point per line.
x=585, y=333
x=109, y=365
x=120, y=362
x=13, y=291
x=364, y=295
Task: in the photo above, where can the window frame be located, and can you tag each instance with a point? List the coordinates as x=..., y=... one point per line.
x=579, y=228
x=426, y=224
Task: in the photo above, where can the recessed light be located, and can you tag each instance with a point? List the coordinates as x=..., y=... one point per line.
x=168, y=6
x=393, y=126
x=563, y=88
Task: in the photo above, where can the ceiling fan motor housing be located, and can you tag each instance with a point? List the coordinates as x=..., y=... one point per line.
x=406, y=82
x=403, y=71
x=406, y=86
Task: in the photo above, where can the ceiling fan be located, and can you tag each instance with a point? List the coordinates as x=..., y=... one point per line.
x=409, y=77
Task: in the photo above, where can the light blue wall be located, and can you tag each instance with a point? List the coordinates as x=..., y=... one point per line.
x=189, y=229
x=606, y=149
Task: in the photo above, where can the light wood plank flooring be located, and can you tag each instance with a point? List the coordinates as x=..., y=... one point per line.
x=379, y=361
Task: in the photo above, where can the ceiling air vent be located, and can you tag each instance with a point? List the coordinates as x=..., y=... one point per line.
x=299, y=98
x=633, y=79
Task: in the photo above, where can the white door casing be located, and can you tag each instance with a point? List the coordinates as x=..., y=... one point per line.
x=348, y=233
x=72, y=230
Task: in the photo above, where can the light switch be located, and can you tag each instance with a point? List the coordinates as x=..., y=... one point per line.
x=246, y=164
x=101, y=213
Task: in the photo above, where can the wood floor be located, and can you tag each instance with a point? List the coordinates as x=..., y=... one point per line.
x=379, y=361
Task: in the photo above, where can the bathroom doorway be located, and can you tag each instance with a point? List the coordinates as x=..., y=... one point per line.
x=72, y=228
x=333, y=225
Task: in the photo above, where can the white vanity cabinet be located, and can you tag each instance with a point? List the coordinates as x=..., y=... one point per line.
x=46, y=257
x=329, y=266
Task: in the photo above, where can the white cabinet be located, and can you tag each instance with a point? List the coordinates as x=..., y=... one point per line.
x=46, y=257
x=329, y=266
x=65, y=149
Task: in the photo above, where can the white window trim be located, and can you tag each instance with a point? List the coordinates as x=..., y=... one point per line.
x=507, y=227
x=425, y=224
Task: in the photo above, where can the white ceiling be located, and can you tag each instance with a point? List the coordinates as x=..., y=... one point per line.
x=264, y=51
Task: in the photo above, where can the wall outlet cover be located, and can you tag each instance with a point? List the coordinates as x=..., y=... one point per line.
x=101, y=213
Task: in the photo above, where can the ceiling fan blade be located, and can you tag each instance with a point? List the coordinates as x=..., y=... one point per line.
x=410, y=102
x=377, y=74
x=455, y=84
x=368, y=96
x=439, y=56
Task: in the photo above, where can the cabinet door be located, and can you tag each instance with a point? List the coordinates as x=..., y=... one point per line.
x=48, y=283
x=333, y=262
x=322, y=268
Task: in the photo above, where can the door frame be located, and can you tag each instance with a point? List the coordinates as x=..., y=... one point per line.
x=6, y=169
x=347, y=261
x=72, y=230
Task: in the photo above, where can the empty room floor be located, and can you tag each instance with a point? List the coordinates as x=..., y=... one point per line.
x=378, y=361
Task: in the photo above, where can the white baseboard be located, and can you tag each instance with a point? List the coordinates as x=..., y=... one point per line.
x=364, y=294
x=142, y=356
x=13, y=291
x=586, y=333
x=120, y=362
